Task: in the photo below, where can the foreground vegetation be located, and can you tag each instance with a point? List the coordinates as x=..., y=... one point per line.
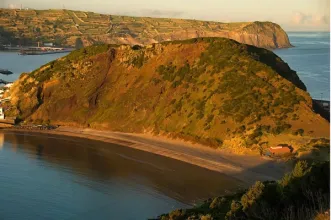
x=302, y=194
x=77, y=28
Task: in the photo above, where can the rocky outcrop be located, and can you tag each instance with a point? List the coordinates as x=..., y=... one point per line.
x=261, y=34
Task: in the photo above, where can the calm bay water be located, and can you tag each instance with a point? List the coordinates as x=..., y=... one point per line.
x=18, y=64
x=55, y=177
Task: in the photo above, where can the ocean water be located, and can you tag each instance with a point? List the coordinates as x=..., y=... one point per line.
x=19, y=64
x=310, y=57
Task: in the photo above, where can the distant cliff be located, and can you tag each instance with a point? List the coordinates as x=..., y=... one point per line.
x=214, y=91
x=65, y=27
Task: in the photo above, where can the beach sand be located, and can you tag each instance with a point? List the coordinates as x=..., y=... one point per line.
x=247, y=168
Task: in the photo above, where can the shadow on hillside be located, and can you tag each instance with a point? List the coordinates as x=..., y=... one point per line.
x=7, y=37
x=277, y=64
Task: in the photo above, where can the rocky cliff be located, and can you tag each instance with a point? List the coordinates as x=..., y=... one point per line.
x=65, y=27
x=214, y=91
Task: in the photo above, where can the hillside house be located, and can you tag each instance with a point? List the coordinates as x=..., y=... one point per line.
x=281, y=149
x=2, y=114
x=8, y=85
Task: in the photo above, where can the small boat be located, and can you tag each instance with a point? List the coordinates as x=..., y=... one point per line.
x=5, y=72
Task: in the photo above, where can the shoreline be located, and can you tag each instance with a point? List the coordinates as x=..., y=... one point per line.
x=246, y=168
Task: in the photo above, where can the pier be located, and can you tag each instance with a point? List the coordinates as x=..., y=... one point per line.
x=5, y=72
x=44, y=50
x=33, y=50
x=4, y=82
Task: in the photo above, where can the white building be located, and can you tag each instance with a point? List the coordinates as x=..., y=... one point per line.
x=8, y=85
x=2, y=114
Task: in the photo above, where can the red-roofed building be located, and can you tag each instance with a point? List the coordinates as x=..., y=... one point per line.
x=281, y=149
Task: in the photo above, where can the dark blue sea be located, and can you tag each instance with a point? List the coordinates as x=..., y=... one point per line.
x=310, y=57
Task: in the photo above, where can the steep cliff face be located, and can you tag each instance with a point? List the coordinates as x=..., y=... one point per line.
x=65, y=27
x=213, y=91
x=262, y=34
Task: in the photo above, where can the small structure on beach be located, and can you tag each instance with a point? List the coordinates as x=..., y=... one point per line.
x=281, y=149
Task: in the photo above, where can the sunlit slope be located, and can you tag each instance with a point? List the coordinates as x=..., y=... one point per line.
x=214, y=91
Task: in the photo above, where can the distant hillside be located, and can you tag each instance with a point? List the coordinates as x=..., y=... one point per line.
x=214, y=91
x=65, y=27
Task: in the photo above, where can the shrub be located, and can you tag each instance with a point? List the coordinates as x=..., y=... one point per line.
x=253, y=194
x=299, y=132
x=301, y=168
x=175, y=214
x=209, y=119
x=217, y=202
x=138, y=61
x=299, y=195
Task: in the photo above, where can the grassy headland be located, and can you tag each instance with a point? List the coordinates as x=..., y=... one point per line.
x=213, y=91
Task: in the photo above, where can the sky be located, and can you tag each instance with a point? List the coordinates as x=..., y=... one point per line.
x=292, y=15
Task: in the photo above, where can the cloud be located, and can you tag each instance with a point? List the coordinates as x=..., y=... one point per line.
x=301, y=18
x=324, y=6
x=320, y=18
x=161, y=13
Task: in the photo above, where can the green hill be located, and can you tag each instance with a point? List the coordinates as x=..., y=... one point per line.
x=68, y=28
x=213, y=91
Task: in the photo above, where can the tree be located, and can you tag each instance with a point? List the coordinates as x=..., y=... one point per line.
x=79, y=43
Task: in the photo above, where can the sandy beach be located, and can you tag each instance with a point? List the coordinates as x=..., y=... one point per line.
x=246, y=168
